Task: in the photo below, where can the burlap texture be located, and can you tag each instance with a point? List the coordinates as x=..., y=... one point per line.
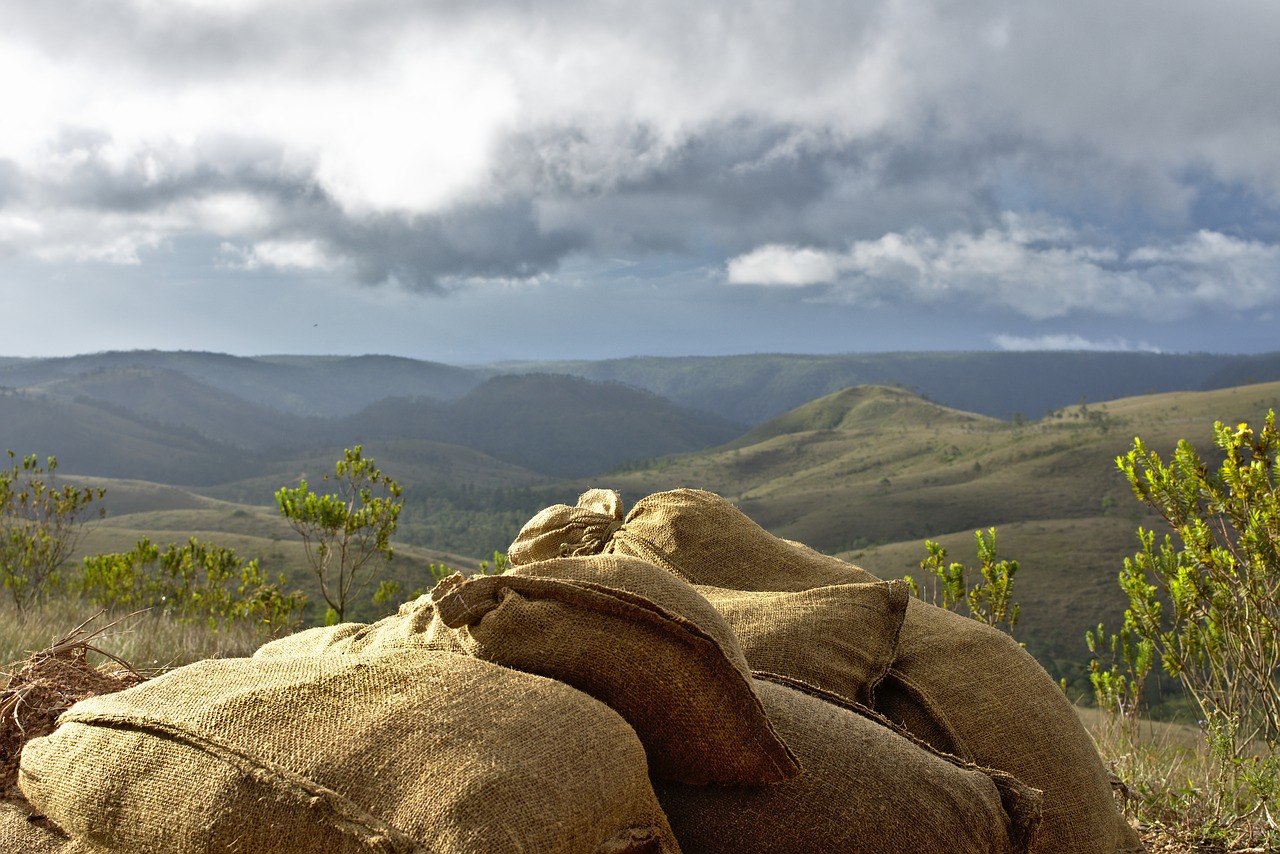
x=564, y=531
x=962, y=686
x=696, y=535
x=673, y=670
x=24, y=832
x=865, y=790
x=857, y=625
x=417, y=751
x=975, y=686
x=413, y=626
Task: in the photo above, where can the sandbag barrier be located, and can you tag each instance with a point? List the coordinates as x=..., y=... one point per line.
x=672, y=679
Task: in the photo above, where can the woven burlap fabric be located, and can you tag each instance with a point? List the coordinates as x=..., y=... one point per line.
x=416, y=751
x=696, y=535
x=675, y=673
x=23, y=832
x=413, y=626
x=562, y=531
x=865, y=790
x=975, y=686
x=964, y=687
x=844, y=637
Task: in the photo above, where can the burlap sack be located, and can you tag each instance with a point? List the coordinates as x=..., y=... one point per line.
x=962, y=686
x=972, y=690
x=865, y=790
x=413, y=626
x=696, y=535
x=25, y=832
x=843, y=637
x=419, y=751
x=641, y=641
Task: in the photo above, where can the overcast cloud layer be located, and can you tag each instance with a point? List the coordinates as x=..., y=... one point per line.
x=512, y=179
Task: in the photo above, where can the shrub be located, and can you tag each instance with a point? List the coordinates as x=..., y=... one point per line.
x=40, y=525
x=194, y=582
x=1208, y=602
x=987, y=598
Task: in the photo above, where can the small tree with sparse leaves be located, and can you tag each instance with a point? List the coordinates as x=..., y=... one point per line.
x=345, y=530
x=40, y=525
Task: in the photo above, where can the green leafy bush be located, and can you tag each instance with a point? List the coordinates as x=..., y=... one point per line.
x=1207, y=598
x=192, y=582
x=988, y=597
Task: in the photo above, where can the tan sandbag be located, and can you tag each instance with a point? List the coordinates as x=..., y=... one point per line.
x=413, y=626
x=958, y=680
x=696, y=535
x=23, y=831
x=865, y=790
x=844, y=638
x=638, y=639
x=419, y=751
x=962, y=686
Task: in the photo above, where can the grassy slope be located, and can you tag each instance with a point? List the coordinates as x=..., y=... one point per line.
x=866, y=473
x=870, y=473
x=169, y=515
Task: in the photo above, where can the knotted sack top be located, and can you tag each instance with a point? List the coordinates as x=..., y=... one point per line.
x=693, y=534
x=564, y=531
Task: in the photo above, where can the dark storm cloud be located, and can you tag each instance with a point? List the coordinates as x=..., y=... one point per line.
x=499, y=241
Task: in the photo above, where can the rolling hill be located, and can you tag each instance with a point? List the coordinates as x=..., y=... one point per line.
x=867, y=472
x=744, y=389
x=870, y=473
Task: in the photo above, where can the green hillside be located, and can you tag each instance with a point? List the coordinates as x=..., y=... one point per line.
x=869, y=474
x=171, y=515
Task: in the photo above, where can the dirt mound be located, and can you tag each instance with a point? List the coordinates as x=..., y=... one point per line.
x=47, y=684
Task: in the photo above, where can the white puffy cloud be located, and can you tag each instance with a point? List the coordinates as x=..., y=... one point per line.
x=279, y=255
x=1037, y=268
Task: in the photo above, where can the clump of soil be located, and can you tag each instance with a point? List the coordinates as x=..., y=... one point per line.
x=49, y=683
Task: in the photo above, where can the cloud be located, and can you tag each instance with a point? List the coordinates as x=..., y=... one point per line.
x=880, y=147
x=278, y=254
x=1037, y=267
x=1069, y=341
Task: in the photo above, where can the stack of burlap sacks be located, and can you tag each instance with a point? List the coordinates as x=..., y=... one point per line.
x=678, y=680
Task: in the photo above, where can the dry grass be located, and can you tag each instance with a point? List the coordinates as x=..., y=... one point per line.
x=149, y=642
x=1184, y=799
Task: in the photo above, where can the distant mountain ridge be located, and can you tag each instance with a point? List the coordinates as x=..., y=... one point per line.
x=158, y=424
x=201, y=418
x=749, y=389
x=744, y=389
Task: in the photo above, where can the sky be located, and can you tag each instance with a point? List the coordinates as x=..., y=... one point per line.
x=506, y=179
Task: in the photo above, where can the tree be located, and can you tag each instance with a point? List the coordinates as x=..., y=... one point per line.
x=343, y=532
x=40, y=525
x=1208, y=602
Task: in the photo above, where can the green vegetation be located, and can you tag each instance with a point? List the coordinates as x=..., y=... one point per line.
x=1221, y=581
x=1205, y=602
x=40, y=525
x=343, y=531
x=192, y=582
x=987, y=598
